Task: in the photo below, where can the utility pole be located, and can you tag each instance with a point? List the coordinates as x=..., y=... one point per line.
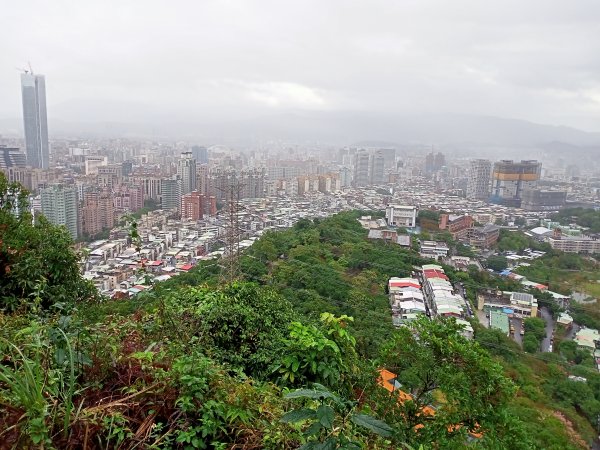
x=233, y=231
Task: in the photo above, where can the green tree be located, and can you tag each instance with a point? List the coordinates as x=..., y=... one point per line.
x=324, y=354
x=496, y=263
x=438, y=366
x=242, y=324
x=38, y=267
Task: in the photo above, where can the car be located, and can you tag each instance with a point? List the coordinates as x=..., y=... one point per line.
x=522, y=332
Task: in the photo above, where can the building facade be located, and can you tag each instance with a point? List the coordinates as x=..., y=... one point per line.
x=541, y=200
x=60, y=206
x=401, y=216
x=478, y=184
x=200, y=154
x=192, y=206
x=186, y=171
x=510, y=179
x=171, y=193
x=11, y=157
x=33, y=91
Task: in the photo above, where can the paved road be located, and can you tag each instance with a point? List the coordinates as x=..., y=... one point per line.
x=572, y=332
x=518, y=324
x=545, y=314
x=460, y=289
x=482, y=319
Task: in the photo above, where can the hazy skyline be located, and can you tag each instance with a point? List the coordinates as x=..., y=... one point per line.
x=139, y=61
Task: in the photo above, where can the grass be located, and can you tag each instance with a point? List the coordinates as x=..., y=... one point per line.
x=592, y=287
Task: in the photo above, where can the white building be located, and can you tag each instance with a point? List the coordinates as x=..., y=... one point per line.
x=60, y=206
x=401, y=216
x=478, y=186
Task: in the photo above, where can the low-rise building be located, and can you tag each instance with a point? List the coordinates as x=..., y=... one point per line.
x=401, y=216
x=457, y=225
x=518, y=304
x=483, y=237
x=573, y=244
x=433, y=249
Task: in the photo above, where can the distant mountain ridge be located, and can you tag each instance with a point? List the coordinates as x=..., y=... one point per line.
x=340, y=128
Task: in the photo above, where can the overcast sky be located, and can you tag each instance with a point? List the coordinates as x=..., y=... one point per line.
x=137, y=60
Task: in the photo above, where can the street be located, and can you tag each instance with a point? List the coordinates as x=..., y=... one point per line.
x=518, y=324
x=546, y=342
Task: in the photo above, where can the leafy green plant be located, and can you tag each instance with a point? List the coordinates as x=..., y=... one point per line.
x=332, y=421
x=323, y=355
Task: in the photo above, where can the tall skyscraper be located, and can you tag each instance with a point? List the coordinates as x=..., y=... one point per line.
x=60, y=206
x=361, y=168
x=369, y=167
x=33, y=90
x=171, y=193
x=478, y=184
x=200, y=154
x=376, y=167
x=186, y=171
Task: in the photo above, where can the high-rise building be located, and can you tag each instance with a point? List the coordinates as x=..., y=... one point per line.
x=11, y=157
x=478, y=185
x=202, y=173
x=186, y=171
x=369, y=167
x=200, y=154
x=389, y=155
x=192, y=206
x=128, y=197
x=361, y=168
x=151, y=187
x=33, y=91
x=126, y=168
x=252, y=183
x=171, y=193
x=434, y=162
x=60, y=206
x=376, y=167
x=109, y=176
x=510, y=179
x=97, y=211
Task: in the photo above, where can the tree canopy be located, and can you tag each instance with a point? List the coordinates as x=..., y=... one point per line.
x=38, y=267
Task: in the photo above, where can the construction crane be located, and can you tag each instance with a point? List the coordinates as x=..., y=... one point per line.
x=25, y=70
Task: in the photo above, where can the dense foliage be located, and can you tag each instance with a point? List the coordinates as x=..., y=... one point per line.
x=585, y=217
x=285, y=358
x=38, y=268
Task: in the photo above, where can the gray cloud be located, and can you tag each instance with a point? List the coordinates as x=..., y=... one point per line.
x=140, y=60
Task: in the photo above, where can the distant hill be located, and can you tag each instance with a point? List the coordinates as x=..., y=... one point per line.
x=345, y=128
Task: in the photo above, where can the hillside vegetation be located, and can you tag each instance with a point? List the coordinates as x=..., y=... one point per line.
x=286, y=357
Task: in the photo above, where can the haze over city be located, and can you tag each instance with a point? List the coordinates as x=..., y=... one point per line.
x=338, y=71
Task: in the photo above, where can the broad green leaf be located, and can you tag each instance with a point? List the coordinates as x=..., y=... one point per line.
x=297, y=415
x=371, y=423
x=313, y=429
x=309, y=393
x=308, y=446
x=325, y=415
x=329, y=444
